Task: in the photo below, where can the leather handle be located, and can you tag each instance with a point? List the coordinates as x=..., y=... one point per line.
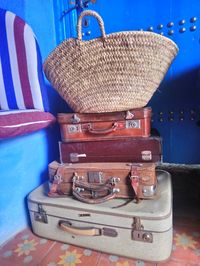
x=82, y=231
x=102, y=131
x=108, y=186
x=80, y=197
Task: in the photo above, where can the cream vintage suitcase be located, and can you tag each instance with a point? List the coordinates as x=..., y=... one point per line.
x=141, y=231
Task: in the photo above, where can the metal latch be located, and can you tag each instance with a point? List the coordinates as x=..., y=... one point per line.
x=74, y=157
x=139, y=234
x=95, y=177
x=41, y=215
x=133, y=124
x=146, y=155
x=73, y=129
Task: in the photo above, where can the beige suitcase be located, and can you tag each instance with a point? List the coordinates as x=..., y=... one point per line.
x=140, y=231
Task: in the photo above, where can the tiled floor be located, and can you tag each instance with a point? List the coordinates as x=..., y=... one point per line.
x=27, y=249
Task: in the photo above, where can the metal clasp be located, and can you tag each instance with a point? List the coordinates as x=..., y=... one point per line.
x=146, y=155
x=74, y=157
x=41, y=215
x=139, y=234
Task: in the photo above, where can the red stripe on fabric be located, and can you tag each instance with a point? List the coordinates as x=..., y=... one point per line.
x=22, y=62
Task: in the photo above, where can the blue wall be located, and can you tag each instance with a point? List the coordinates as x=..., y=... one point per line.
x=24, y=160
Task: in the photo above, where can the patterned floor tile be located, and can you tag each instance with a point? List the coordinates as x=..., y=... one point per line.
x=177, y=263
x=186, y=245
x=27, y=249
x=24, y=249
x=113, y=260
x=69, y=255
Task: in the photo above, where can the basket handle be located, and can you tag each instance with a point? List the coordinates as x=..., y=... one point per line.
x=94, y=14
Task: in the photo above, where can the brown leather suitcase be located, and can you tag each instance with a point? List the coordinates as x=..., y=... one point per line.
x=128, y=149
x=88, y=127
x=99, y=182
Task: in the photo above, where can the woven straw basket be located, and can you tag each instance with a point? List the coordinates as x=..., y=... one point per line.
x=114, y=72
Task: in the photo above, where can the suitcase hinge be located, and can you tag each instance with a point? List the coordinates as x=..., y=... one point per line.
x=129, y=115
x=139, y=234
x=41, y=215
x=75, y=119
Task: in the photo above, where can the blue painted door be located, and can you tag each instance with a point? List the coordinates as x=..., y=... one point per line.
x=176, y=103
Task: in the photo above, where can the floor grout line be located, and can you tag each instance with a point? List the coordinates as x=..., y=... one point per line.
x=100, y=254
x=47, y=252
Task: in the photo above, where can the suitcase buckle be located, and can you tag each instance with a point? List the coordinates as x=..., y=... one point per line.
x=57, y=179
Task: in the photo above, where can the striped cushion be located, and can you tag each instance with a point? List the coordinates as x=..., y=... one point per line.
x=20, y=122
x=22, y=83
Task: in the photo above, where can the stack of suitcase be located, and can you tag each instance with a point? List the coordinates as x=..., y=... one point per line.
x=106, y=187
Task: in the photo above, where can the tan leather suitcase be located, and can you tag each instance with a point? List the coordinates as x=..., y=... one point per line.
x=99, y=182
x=100, y=126
x=139, y=231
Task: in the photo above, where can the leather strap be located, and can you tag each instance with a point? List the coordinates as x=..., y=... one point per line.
x=57, y=179
x=135, y=180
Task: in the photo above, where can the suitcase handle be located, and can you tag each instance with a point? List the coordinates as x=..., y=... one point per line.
x=109, y=186
x=77, y=194
x=86, y=231
x=102, y=131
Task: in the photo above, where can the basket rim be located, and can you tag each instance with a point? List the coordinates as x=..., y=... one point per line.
x=119, y=33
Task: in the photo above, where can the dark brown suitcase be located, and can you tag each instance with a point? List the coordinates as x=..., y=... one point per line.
x=99, y=182
x=118, y=150
x=100, y=126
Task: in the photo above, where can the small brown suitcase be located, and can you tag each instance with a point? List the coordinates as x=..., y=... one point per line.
x=88, y=127
x=99, y=182
x=128, y=149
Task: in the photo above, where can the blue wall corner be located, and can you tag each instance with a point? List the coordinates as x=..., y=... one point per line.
x=24, y=166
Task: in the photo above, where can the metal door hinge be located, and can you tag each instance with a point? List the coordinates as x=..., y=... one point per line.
x=41, y=215
x=139, y=234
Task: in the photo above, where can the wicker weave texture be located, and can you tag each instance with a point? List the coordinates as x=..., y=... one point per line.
x=115, y=72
